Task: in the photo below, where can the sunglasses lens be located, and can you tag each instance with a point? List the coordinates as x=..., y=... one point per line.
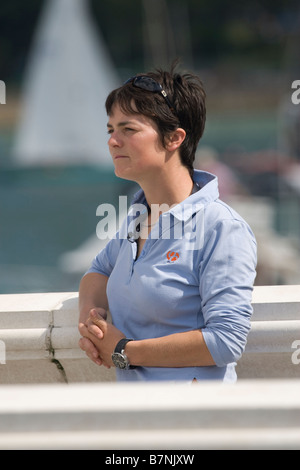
x=147, y=83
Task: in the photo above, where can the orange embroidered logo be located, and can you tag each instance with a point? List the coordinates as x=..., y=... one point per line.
x=172, y=256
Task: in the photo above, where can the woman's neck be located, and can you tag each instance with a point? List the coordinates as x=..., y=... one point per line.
x=169, y=188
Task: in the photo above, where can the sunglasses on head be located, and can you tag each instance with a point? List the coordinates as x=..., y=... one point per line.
x=149, y=84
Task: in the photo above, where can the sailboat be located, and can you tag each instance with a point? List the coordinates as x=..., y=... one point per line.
x=69, y=74
x=59, y=161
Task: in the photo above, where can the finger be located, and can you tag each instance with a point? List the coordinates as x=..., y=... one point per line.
x=92, y=352
x=85, y=331
x=96, y=326
x=82, y=329
x=94, y=330
x=86, y=328
x=100, y=312
x=99, y=323
x=87, y=346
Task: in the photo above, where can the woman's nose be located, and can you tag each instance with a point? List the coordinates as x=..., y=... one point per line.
x=114, y=140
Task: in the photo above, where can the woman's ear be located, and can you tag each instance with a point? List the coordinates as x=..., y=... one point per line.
x=175, y=139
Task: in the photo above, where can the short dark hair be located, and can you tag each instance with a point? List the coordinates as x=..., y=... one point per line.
x=187, y=95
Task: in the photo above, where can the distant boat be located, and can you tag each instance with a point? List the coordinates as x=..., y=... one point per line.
x=69, y=74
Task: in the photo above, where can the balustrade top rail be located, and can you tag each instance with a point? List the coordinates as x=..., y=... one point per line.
x=43, y=327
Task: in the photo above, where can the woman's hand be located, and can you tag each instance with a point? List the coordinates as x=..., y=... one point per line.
x=87, y=344
x=100, y=339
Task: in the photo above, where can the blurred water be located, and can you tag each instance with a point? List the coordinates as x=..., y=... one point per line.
x=43, y=214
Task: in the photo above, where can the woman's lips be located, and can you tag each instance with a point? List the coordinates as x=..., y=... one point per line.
x=120, y=156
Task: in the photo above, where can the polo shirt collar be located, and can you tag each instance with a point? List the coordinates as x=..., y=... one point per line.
x=207, y=193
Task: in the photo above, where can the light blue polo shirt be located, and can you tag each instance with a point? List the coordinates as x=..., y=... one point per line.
x=196, y=271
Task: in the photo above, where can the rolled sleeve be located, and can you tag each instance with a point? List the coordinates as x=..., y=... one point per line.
x=227, y=274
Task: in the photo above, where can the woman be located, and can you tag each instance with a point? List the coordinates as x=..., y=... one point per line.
x=180, y=304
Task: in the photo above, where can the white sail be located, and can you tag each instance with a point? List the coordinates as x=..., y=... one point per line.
x=63, y=119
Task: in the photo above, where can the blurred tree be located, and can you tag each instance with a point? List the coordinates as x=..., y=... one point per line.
x=17, y=26
x=121, y=25
x=159, y=40
x=200, y=31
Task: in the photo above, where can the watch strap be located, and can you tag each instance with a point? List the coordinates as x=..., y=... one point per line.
x=121, y=345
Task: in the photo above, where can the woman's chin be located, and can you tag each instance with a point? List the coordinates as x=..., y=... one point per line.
x=124, y=173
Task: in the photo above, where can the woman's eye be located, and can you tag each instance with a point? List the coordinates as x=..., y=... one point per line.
x=126, y=129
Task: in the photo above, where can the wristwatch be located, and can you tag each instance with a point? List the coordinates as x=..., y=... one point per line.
x=119, y=357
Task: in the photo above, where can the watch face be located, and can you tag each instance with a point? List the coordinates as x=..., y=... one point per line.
x=120, y=360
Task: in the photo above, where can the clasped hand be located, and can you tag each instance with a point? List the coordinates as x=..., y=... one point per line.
x=99, y=338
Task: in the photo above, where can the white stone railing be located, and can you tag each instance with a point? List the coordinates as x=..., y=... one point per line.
x=39, y=354
x=273, y=347
x=248, y=415
x=39, y=338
